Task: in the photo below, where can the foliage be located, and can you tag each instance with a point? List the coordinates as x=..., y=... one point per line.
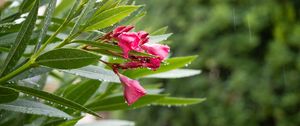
x=249, y=54
x=68, y=43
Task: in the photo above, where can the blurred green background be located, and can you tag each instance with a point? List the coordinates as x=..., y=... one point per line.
x=250, y=60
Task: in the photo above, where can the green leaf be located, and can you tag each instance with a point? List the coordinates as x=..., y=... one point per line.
x=110, y=17
x=95, y=73
x=54, y=98
x=46, y=23
x=8, y=39
x=58, y=21
x=158, y=38
x=109, y=47
x=9, y=27
x=22, y=39
x=118, y=103
x=177, y=73
x=83, y=16
x=160, y=31
x=67, y=58
x=174, y=101
x=32, y=107
x=70, y=122
x=81, y=93
x=169, y=64
x=25, y=6
x=135, y=18
x=63, y=6
x=31, y=73
x=107, y=5
x=7, y=95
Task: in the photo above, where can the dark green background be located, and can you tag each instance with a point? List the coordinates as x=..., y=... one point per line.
x=248, y=52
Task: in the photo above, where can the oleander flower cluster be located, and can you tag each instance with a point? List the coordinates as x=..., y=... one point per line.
x=135, y=41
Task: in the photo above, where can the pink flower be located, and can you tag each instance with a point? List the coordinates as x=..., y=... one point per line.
x=144, y=37
x=116, y=32
x=154, y=63
x=132, y=64
x=132, y=89
x=159, y=50
x=129, y=41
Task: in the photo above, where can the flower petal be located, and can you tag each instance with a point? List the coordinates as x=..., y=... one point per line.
x=128, y=41
x=144, y=37
x=132, y=89
x=117, y=31
x=159, y=50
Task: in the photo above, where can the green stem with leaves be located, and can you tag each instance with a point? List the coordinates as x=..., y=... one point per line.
x=31, y=62
x=21, y=69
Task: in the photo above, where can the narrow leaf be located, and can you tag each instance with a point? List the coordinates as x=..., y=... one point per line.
x=70, y=122
x=31, y=73
x=9, y=27
x=174, y=101
x=177, y=73
x=7, y=95
x=169, y=64
x=32, y=107
x=80, y=93
x=160, y=31
x=67, y=58
x=83, y=16
x=107, y=5
x=158, y=38
x=110, y=17
x=63, y=6
x=95, y=72
x=22, y=39
x=46, y=23
x=117, y=103
x=53, y=98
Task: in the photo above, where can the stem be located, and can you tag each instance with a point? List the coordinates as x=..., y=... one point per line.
x=21, y=69
x=67, y=40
